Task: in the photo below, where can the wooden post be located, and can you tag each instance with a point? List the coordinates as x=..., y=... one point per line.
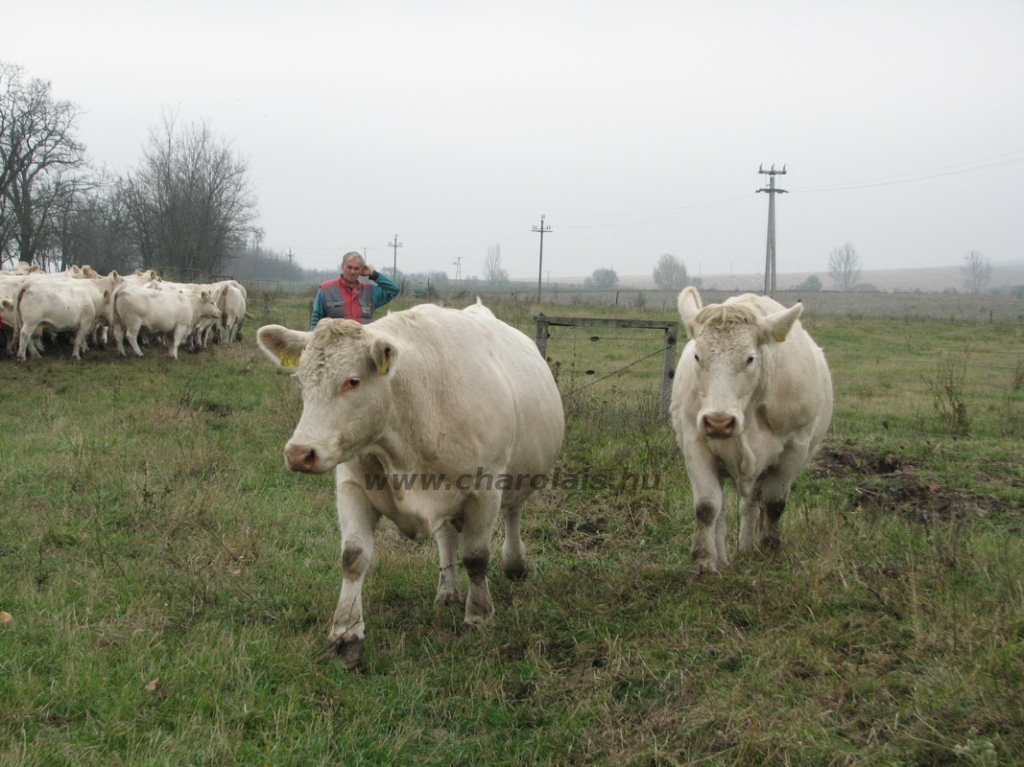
x=668, y=368
x=540, y=334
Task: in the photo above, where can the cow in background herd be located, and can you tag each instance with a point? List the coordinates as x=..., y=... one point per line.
x=86, y=304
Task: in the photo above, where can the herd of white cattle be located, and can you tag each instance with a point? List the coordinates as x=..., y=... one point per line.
x=89, y=306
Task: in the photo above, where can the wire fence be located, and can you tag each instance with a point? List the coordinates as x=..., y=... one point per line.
x=955, y=394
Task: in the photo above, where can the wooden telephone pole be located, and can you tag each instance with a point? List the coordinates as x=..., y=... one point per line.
x=769, y=260
x=394, y=266
x=540, y=267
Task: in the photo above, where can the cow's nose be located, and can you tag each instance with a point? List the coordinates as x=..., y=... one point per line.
x=719, y=425
x=300, y=457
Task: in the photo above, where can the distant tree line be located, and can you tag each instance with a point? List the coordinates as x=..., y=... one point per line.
x=187, y=209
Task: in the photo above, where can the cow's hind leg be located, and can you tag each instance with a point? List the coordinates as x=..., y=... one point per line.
x=481, y=514
x=448, y=590
x=513, y=551
x=749, y=518
x=772, y=502
x=771, y=514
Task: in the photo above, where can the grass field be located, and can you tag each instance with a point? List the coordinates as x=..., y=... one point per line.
x=168, y=583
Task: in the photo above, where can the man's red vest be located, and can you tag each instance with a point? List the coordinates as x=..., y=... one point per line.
x=336, y=306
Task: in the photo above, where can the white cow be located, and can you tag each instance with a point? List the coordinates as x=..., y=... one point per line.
x=232, y=310
x=6, y=307
x=63, y=303
x=752, y=398
x=176, y=313
x=10, y=286
x=435, y=418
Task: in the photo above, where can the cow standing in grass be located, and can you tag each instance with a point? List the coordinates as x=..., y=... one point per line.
x=456, y=398
x=175, y=313
x=751, y=400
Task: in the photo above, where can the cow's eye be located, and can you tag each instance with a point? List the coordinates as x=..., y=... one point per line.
x=351, y=383
x=750, y=360
x=696, y=358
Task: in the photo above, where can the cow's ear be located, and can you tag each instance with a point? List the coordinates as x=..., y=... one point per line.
x=689, y=306
x=281, y=345
x=382, y=355
x=776, y=326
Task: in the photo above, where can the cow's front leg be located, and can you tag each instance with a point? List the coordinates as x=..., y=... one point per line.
x=357, y=519
x=481, y=514
x=709, y=544
x=448, y=590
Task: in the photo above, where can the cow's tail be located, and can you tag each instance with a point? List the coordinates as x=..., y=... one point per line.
x=21, y=292
x=115, y=315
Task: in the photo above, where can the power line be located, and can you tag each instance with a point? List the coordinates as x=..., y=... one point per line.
x=906, y=178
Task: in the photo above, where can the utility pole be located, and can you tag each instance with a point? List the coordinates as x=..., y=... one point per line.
x=394, y=267
x=769, y=259
x=458, y=269
x=540, y=268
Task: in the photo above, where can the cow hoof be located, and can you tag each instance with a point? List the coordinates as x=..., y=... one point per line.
x=470, y=625
x=704, y=567
x=448, y=599
x=348, y=651
x=515, y=571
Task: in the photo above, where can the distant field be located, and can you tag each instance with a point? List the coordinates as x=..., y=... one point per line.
x=168, y=583
x=958, y=307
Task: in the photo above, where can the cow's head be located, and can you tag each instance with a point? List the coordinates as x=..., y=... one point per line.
x=343, y=369
x=729, y=347
x=209, y=306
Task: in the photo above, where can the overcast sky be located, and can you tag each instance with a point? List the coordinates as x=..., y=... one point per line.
x=635, y=128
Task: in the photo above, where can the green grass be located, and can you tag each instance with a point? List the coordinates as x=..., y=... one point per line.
x=170, y=582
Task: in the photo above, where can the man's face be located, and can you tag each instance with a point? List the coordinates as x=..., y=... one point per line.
x=351, y=270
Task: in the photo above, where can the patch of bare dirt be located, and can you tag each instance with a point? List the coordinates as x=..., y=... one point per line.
x=887, y=483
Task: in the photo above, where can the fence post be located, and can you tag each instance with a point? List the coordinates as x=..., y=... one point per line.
x=540, y=334
x=668, y=367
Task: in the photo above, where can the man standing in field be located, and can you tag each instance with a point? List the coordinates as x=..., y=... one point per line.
x=350, y=298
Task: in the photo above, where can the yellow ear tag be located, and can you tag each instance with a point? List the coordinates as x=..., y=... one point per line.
x=780, y=338
x=289, y=360
x=384, y=367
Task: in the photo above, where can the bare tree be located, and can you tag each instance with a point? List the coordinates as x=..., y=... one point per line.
x=844, y=267
x=977, y=272
x=40, y=162
x=492, y=267
x=91, y=227
x=670, y=273
x=190, y=204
